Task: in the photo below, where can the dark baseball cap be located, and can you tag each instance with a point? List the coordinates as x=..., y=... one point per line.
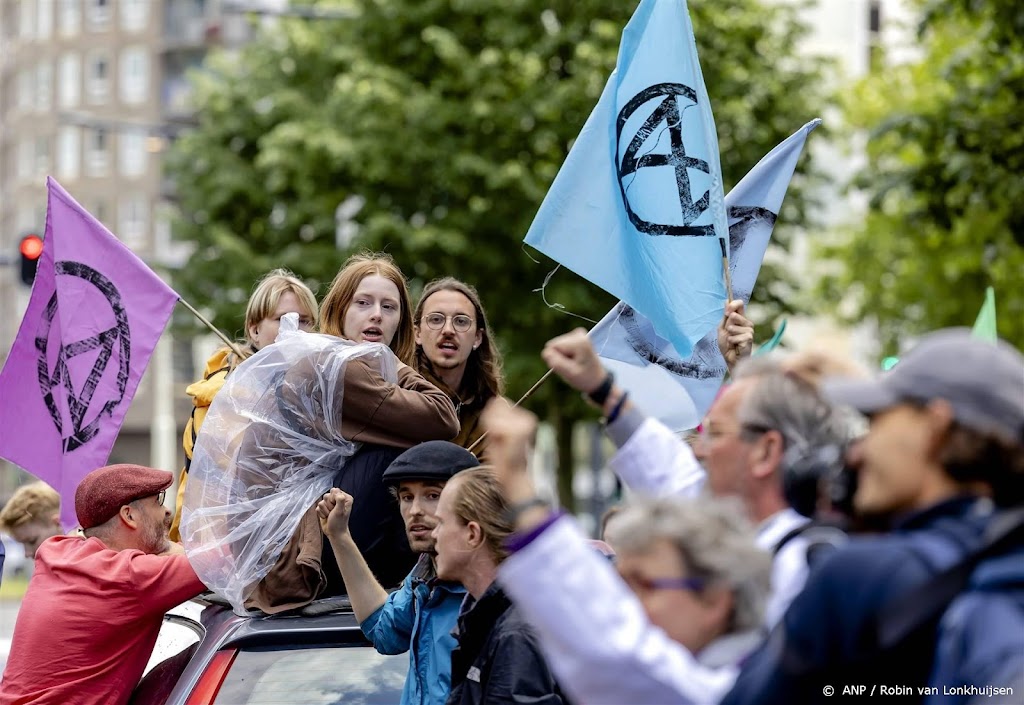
x=982, y=381
x=101, y=494
x=433, y=460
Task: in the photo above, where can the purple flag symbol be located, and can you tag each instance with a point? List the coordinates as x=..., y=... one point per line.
x=95, y=314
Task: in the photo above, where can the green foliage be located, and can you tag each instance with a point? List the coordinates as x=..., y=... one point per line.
x=451, y=119
x=946, y=154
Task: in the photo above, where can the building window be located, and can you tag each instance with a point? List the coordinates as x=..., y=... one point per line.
x=133, y=220
x=45, y=14
x=26, y=160
x=875, y=16
x=98, y=13
x=69, y=83
x=134, y=83
x=98, y=155
x=69, y=19
x=27, y=21
x=26, y=89
x=875, y=53
x=134, y=15
x=99, y=78
x=132, y=153
x=44, y=85
x=69, y=152
x=25, y=221
x=42, y=156
x=99, y=211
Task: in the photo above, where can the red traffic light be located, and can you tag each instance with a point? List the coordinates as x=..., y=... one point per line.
x=31, y=247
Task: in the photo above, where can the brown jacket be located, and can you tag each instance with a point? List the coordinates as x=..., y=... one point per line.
x=373, y=411
x=468, y=409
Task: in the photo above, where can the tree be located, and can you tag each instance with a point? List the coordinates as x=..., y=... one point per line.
x=448, y=119
x=944, y=187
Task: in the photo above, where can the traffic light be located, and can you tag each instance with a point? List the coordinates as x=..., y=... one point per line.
x=31, y=248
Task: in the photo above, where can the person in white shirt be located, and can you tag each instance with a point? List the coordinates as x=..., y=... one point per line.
x=676, y=621
x=767, y=441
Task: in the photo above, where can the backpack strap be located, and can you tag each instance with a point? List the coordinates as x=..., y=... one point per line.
x=822, y=539
x=905, y=613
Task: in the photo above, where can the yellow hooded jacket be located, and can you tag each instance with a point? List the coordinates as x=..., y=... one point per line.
x=202, y=393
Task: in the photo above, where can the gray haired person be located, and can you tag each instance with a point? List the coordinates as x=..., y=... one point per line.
x=697, y=572
x=672, y=625
x=765, y=441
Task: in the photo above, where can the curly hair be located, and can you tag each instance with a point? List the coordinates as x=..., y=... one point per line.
x=714, y=540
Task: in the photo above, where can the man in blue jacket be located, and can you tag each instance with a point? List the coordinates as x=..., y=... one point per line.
x=421, y=614
x=946, y=425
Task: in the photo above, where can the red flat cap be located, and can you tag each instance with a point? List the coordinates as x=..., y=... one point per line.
x=102, y=493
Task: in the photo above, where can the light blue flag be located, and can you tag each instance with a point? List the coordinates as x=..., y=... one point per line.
x=637, y=207
x=679, y=388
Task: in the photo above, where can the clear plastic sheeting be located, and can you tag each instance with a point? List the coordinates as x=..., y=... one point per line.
x=270, y=445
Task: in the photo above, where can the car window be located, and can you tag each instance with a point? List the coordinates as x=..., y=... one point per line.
x=175, y=636
x=314, y=676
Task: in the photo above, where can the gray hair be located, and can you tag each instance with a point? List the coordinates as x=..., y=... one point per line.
x=785, y=401
x=716, y=543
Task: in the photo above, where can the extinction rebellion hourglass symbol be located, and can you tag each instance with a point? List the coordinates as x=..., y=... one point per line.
x=85, y=414
x=673, y=99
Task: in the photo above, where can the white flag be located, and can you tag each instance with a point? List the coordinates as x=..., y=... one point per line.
x=679, y=391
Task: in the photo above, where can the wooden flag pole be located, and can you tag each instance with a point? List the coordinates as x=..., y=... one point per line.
x=725, y=267
x=227, y=341
x=523, y=398
x=531, y=390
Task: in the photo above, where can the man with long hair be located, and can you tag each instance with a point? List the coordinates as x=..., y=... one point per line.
x=456, y=352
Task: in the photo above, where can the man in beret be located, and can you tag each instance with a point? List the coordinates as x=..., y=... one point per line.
x=90, y=618
x=420, y=616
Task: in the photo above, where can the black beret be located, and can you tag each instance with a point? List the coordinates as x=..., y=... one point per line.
x=433, y=460
x=102, y=493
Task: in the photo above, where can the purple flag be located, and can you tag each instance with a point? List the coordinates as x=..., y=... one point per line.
x=94, y=317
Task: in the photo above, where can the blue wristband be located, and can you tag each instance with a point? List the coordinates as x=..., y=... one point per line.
x=617, y=409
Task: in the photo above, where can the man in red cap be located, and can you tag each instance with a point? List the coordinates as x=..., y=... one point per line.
x=95, y=604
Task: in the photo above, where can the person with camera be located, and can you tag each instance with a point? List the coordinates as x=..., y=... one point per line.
x=944, y=452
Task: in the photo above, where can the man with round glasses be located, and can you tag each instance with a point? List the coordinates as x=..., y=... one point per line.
x=93, y=609
x=455, y=352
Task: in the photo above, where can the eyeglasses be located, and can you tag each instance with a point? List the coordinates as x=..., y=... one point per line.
x=160, y=497
x=641, y=584
x=744, y=432
x=460, y=322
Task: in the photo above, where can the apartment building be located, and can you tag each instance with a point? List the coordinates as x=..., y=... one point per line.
x=91, y=93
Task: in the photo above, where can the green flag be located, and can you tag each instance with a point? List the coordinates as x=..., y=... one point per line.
x=985, y=325
x=774, y=342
